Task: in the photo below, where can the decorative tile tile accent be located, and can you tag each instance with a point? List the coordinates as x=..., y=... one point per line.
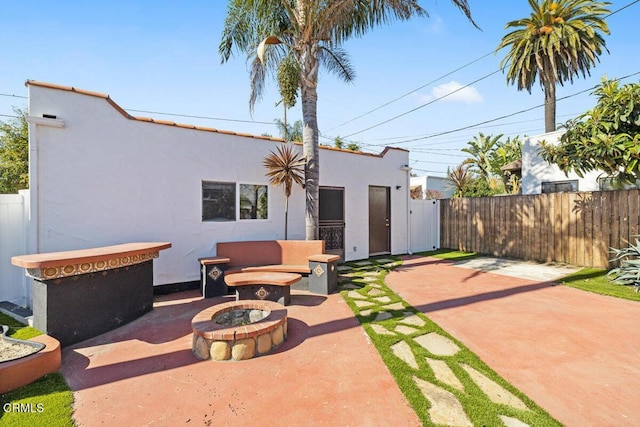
x=89, y=267
x=262, y=293
x=318, y=271
x=215, y=273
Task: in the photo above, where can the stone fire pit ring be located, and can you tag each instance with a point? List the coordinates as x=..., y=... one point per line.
x=265, y=329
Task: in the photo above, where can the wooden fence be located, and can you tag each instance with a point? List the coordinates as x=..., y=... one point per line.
x=572, y=228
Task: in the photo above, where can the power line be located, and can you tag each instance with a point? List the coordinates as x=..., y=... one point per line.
x=204, y=117
x=425, y=104
x=502, y=117
x=412, y=91
x=12, y=96
x=465, y=86
x=169, y=114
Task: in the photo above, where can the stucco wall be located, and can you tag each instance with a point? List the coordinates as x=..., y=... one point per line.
x=435, y=183
x=105, y=179
x=535, y=170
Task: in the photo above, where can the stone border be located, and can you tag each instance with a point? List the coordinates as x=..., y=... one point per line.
x=219, y=342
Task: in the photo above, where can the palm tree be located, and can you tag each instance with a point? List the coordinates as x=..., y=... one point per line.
x=461, y=179
x=285, y=168
x=312, y=32
x=561, y=39
x=482, y=149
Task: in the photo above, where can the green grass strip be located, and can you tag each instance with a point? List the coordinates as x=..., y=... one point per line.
x=595, y=280
x=450, y=254
x=46, y=402
x=366, y=293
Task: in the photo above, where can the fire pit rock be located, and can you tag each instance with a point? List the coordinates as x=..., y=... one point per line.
x=238, y=330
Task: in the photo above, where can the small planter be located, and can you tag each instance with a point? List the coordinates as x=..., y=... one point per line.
x=27, y=367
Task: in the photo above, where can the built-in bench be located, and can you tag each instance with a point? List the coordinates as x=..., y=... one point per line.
x=305, y=257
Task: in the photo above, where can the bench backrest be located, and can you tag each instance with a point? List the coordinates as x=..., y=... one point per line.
x=269, y=252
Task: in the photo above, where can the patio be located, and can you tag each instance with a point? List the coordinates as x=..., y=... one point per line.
x=583, y=370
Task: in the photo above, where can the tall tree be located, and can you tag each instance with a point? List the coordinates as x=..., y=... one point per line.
x=482, y=149
x=559, y=41
x=14, y=153
x=313, y=32
x=605, y=138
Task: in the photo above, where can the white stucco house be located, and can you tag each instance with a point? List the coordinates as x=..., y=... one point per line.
x=538, y=176
x=100, y=176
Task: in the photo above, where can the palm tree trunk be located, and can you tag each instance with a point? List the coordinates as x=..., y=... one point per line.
x=549, y=105
x=308, y=87
x=286, y=216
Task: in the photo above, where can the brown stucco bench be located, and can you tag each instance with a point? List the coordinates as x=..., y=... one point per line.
x=304, y=257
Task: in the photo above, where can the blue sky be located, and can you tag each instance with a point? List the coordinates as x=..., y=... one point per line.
x=162, y=57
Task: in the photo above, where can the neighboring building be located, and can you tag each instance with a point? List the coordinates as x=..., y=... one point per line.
x=538, y=176
x=101, y=177
x=431, y=187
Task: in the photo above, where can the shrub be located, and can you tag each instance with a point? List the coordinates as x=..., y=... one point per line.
x=628, y=273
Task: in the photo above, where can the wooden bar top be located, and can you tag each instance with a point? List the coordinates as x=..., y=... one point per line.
x=82, y=256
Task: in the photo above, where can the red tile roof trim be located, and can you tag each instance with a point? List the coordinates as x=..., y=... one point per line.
x=187, y=126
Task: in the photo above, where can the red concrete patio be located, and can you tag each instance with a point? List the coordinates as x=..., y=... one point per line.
x=574, y=353
x=326, y=373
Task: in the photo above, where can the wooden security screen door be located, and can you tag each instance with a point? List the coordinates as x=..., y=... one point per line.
x=331, y=226
x=379, y=220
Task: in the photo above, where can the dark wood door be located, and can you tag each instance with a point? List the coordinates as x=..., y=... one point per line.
x=379, y=220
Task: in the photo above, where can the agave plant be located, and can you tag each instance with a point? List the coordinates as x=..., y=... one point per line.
x=285, y=168
x=629, y=271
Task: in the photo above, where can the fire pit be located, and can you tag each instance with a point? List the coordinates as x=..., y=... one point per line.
x=238, y=330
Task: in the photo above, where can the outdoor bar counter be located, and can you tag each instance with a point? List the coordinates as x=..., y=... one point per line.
x=83, y=293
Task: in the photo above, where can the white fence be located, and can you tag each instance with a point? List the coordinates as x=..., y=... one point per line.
x=425, y=225
x=13, y=241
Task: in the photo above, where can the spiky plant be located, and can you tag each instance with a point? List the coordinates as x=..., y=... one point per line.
x=629, y=271
x=284, y=168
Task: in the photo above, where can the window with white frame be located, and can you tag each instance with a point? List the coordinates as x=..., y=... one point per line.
x=560, y=186
x=220, y=203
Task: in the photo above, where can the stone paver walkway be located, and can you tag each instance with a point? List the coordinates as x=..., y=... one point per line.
x=436, y=370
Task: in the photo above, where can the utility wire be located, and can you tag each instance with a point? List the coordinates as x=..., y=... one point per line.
x=204, y=117
x=172, y=114
x=465, y=86
x=501, y=117
x=413, y=91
